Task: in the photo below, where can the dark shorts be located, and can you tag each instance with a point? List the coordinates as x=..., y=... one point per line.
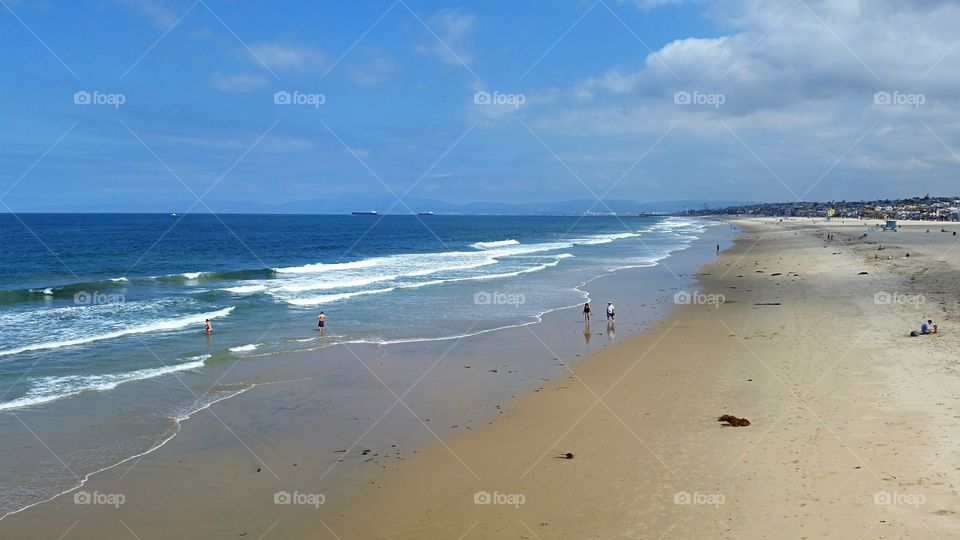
x=320, y=324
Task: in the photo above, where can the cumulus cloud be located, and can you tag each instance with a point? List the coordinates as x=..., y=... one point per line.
x=863, y=91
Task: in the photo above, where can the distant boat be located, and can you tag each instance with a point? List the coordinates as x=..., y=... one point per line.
x=366, y=213
x=427, y=213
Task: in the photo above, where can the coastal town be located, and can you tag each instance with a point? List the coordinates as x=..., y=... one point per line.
x=924, y=208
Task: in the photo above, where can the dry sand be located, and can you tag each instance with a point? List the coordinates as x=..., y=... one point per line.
x=853, y=431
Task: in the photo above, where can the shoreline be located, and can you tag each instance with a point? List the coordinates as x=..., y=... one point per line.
x=92, y=480
x=851, y=469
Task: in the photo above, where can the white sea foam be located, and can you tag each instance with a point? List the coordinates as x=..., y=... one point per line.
x=495, y=244
x=245, y=289
x=156, y=326
x=327, y=298
x=328, y=267
x=46, y=389
x=244, y=348
x=605, y=238
x=192, y=275
x=313, y=285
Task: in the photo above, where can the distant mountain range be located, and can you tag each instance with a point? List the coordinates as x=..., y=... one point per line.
x=387, y=205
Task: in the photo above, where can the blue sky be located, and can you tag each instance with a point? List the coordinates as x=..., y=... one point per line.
x=783, y=101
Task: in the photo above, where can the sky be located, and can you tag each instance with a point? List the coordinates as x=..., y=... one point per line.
x=213, y=105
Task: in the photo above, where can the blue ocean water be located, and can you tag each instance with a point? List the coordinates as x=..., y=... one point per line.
x=102, y=345
x=88, y=302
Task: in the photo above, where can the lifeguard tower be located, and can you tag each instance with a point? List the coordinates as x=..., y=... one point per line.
x=891, y=225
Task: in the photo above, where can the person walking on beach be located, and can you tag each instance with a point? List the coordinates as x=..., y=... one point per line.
x=586, y=312
x=611, y=311
x=321, y=320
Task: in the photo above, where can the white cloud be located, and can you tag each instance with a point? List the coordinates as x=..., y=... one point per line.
x=453, y=29
x=282, y=56
x=238, y=82
x=797, y=81
x=375, y=68
x=156, y=11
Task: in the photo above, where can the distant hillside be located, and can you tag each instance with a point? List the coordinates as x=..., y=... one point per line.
x=342, y=205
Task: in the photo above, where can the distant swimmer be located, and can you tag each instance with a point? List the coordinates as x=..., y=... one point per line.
x=718, y=249
x=586, y=312
x=209, y=327
x=321, y=320
x=611, y=311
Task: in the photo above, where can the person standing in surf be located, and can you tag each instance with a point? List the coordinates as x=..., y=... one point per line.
x=611, y=312
x=209, y=327
x=321, y=321
x=586, y=312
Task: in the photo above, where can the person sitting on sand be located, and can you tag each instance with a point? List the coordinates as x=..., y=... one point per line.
x=925, y=327
x=586, y=312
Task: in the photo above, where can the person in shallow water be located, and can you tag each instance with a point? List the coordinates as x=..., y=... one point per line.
x=321, y=320
x=586, y=312
x=209, y=327
x=611, y=311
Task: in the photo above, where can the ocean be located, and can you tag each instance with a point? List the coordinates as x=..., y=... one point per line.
x=113, y=307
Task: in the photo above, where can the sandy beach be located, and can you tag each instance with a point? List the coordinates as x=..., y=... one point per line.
x=853, y=424
x=558, y=433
